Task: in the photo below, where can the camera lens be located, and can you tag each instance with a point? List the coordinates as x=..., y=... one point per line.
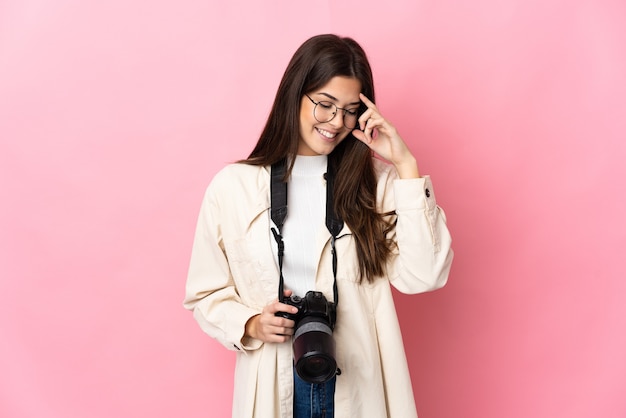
x=314, y=351
x=314, y=365
x=317, y=368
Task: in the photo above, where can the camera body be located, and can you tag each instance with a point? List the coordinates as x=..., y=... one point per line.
x=313, y=304
x=313, y=343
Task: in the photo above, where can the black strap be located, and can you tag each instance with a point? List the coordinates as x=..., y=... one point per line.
x=333, y=223
x=278, y=191
x=278, y=211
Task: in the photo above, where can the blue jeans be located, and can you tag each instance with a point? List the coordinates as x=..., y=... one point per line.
x=313, y=400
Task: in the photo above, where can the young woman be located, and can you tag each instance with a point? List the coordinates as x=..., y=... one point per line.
x=325, y=132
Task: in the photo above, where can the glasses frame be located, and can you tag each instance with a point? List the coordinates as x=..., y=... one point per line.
x=345, y=112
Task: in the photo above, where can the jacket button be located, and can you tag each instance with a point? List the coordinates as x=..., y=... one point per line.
x=427, y=193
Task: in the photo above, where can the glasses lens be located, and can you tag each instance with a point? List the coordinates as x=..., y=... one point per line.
x=324, y=111
x=350, y=118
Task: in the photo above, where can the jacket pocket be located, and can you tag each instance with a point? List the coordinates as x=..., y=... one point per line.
x=253, y=271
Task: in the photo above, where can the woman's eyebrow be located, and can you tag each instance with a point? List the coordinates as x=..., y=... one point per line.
x=335, y=99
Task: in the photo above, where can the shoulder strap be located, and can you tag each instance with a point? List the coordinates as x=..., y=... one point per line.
x=333, y=222
x=278, y=212
x=278, y=191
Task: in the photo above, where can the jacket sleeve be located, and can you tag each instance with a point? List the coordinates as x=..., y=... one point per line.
x=210, y=290
x=423, y=256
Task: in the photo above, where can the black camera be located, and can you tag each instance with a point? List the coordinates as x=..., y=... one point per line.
x=313, y=344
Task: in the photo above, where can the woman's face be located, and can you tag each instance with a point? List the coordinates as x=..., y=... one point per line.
x=321, y=138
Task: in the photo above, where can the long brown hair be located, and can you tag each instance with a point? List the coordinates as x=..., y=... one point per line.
x=314, y=64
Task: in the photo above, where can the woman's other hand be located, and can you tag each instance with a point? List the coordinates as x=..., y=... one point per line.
x=270, y=328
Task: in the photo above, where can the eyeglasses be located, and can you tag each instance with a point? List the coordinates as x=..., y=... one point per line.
x=326, y=111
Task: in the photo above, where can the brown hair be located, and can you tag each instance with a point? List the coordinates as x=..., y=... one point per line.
x=314, y=64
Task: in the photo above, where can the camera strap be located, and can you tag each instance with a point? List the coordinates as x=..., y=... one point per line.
x=278, y=213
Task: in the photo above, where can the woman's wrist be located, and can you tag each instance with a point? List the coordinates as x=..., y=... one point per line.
x=251, y=325
x=407, y=169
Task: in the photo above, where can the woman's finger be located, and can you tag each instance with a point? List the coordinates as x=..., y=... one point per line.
x=370, y=104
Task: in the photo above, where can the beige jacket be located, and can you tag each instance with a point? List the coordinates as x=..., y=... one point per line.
x=233, y=275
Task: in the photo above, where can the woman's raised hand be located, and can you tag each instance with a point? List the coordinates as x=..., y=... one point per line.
x=382, y=137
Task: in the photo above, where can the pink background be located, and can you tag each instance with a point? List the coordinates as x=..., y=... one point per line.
x=115, y=115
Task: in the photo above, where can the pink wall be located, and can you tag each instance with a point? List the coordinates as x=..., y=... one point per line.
x=114, y=116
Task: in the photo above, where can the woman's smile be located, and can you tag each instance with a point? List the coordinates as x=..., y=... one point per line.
x=327, y=134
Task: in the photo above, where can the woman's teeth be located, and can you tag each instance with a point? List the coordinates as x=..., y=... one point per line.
x=326, y=134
